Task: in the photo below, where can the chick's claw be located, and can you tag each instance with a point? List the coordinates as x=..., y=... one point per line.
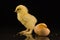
x=25, y=33
x=22, y=32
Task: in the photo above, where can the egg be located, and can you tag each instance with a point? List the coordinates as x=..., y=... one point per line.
x=41, y=29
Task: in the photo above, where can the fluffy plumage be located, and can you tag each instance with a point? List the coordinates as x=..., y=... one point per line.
x=25, y=18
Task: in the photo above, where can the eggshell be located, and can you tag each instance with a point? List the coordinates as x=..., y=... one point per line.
x=42, y=30
x=42, y=24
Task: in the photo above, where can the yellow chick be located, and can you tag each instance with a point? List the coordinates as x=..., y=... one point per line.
x=26, y=19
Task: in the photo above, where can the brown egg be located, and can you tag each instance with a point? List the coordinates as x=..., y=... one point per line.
x=42, y=30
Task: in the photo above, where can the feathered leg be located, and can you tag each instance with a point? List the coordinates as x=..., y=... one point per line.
x=26, y=32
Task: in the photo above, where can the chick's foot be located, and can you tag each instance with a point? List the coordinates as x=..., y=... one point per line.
x=26, y=32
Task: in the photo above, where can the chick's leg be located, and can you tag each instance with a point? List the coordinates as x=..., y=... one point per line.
x=24, y=31
x=29, y=30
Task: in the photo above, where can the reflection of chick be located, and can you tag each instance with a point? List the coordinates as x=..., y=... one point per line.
x=25, y=18
x=29, y=37
x=42, y=38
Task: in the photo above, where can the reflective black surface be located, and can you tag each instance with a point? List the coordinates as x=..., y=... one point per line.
x=10, y=36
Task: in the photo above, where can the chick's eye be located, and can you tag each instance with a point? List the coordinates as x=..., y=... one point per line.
x=18, y=9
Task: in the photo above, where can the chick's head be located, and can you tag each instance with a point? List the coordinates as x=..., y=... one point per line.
x=21, y=8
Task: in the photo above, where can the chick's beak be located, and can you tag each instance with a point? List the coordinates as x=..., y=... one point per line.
x=15, y=11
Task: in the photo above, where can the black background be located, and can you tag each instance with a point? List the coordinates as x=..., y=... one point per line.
x=44, y=11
